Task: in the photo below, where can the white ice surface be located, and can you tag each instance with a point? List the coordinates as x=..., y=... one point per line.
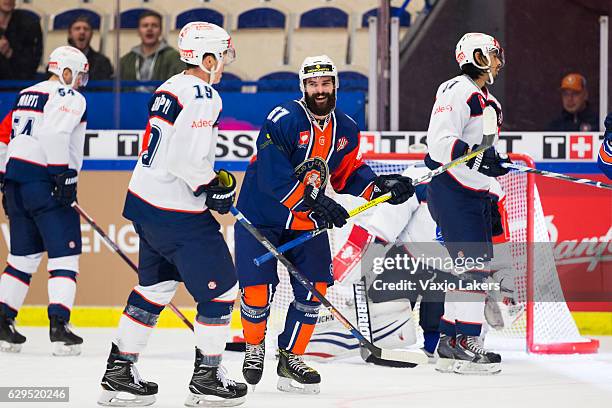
x=526, y=381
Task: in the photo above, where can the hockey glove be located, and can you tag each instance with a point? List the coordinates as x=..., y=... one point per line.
x=400, y=187
x=489, y=162
x=497, y=226
x=65, y=189
x=324, y=207
x=220, y=193
x=608, y=125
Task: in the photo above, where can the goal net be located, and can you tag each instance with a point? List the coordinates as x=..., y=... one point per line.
x=545, y=324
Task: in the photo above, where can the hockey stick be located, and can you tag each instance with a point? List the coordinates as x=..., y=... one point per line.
x=490, y=130
x=587, y=182
x=392, y=355
x=123, y=256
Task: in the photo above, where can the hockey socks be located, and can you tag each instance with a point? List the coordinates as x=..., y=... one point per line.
x=212, y=330
x=14, y=285
x=62, y=290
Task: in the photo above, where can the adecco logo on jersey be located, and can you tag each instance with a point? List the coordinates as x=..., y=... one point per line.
x=202, y=123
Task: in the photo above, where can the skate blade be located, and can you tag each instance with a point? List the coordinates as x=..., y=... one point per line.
x=7, y=347
x=469, y=368
x=445, y=365
x=201, y=400
x=286, y=385
x=62, y=350
x=117, y=399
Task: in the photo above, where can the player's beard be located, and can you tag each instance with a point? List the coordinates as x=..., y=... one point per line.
x=318, y=109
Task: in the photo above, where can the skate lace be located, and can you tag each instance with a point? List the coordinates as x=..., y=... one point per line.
x=254, y=356
x=297, y=363
x=135, y=375
x=473, y=343
x=222, y=376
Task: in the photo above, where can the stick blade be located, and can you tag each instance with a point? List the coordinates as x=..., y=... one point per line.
x=393, y=358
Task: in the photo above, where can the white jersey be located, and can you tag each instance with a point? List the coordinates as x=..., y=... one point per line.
x=456, y=123
x=410, y=223
x=179, y=148
x=48, y=131
x=406, y=222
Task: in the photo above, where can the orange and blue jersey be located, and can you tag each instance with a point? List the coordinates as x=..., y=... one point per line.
x=271, y=193
x=604, y=161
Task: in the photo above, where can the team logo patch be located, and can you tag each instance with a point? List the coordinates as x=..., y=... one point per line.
x=72, y=245
x=313, y=172
x=342, y=142
x=304, y=138
x=212, y=285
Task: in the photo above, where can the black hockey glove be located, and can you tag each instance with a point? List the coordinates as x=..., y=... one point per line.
x=497, y=227
x=324, y=207
x=220, y=193
x=400, y=187
x=608, y=125
x=489, y=162
x=65, y=189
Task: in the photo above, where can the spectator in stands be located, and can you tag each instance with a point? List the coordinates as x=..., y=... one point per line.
x=20, y=42
x=80, y=32
x=577, y=114
x=153, y=59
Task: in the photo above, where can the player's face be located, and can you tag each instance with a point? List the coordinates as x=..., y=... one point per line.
x=80, y=34
x=149, y=30
x=574, y=101
x=320, y=95
x=496, y=63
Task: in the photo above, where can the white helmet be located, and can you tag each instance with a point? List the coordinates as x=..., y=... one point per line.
x=318, y=66
x=67, y=57
x=470, y=43
x=199, y=38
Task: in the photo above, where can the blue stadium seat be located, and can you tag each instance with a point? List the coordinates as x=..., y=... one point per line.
x=129, y=18
x=404, y=16
x=199, y=14
x=324, y=17
x=279, y=81
x=228, y=76
x=62, y=20
x=352, y=81
x=229, y=83
x=262, y=17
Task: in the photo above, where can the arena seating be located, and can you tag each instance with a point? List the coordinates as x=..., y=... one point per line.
x=270, y=36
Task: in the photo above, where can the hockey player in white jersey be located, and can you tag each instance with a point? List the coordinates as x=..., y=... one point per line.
x=39, y=166
x=173, y=187
x=458, y=200
x=411, y=230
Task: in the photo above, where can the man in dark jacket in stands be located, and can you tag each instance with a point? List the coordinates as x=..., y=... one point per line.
x=153, y=59
x=80, y=32
x=20, y=42
x=577, y=114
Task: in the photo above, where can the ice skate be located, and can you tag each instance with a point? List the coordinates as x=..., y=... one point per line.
x=472, y=358
x=10, y=339
x=291, y=367
x=252, y=367
x=210, y=387
x=445, y=354
x=65, y=342
x=122, y=385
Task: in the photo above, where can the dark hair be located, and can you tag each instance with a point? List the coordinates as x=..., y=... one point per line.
x=472, y=70
x=82, y=18
x=150, y=13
